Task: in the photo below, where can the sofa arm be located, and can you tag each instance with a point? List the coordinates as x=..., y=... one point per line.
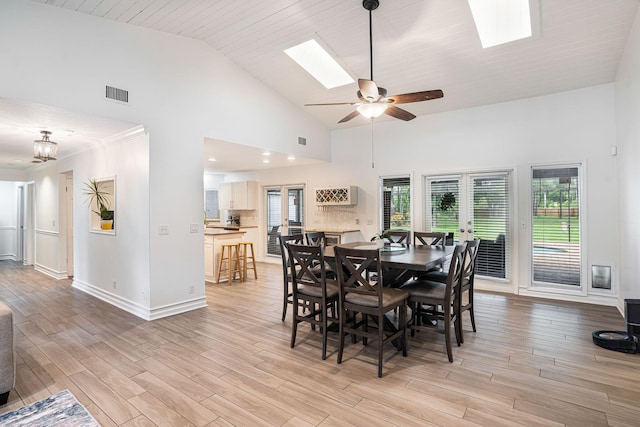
x=7, y=360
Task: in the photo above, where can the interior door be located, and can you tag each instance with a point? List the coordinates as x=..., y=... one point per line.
x=285, y=214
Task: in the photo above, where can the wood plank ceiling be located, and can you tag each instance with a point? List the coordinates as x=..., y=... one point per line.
x=418, y=45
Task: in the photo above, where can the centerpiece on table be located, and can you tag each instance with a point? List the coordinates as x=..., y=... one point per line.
x=379, y=239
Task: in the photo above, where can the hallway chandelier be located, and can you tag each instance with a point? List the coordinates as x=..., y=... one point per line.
x=44, y=149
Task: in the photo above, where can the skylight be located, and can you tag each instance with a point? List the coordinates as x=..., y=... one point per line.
x=501, y=21
x=317, y=62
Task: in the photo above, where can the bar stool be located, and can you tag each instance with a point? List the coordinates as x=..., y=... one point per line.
x=230, y=252
x=245, y=258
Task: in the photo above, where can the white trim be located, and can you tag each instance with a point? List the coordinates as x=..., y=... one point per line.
x=47, y=232
x=8, y=257
x=573, y=297
x=137, y=309
x=58, y=275
x=8, y=227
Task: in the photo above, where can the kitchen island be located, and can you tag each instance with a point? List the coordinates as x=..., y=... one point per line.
x=213, y=238
x=337, y=236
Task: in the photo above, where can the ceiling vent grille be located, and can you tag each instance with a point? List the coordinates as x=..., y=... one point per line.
x=117, y=94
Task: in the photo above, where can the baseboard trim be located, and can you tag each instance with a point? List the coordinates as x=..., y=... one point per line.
x=588, y=299
x=137, y=309
x=58, y=275
x=8, y=257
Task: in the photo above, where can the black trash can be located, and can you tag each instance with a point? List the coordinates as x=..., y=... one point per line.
x=632, y=316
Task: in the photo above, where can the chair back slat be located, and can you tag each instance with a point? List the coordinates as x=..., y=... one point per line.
x=398, y=236
x=302, y=260
x=429, y=238
x=356, y=269
x=316, y=238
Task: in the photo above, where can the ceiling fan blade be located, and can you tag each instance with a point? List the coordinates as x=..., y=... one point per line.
x=349, y=116
x=406, y=98
x=333, y=103
x=399, y=113
x=368, y=89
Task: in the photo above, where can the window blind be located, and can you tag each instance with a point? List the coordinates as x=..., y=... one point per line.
x=443, y=206
x=396, y=203
x=490, y=216
x=556, y=226
x=211, y=204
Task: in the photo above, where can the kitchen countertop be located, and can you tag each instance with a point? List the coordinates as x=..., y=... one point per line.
x=332, y=231
x=221, y=232
x=231, y=226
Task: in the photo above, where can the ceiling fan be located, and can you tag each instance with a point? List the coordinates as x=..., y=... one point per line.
x=373, y=99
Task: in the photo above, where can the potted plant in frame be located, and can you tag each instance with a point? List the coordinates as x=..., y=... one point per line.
x=95, y=193
x=379, y=239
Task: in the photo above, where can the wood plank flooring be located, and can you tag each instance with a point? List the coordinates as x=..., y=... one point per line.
x=531, y=363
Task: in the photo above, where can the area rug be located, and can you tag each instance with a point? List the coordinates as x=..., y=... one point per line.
x=61, y=409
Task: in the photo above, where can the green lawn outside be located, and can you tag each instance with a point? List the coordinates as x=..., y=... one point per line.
x=547, y=229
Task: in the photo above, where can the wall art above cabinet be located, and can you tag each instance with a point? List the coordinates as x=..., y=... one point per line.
x=337, y=196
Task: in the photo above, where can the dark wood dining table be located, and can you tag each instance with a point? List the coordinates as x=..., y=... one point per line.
x=400, y=262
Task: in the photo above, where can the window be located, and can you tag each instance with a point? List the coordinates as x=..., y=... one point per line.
x=396, y=203
x=555, y=227
x=211, y=204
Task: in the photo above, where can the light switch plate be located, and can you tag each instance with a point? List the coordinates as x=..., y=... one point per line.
x=163, y=230
x=194, y=228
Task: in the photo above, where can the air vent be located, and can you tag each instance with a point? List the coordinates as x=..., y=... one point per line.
x=117, y=94
x=302, y=141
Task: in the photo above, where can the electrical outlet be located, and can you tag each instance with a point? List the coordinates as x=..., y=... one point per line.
x=115, y=285
x=194, y=228
x=163, y=230
x=357, y=221
x=191, y=289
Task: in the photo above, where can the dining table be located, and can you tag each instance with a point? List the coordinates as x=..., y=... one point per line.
x=400, y=262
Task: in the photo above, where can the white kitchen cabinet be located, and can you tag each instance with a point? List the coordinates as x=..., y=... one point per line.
x=337, y=196
x=209, y=259
x=241, y=195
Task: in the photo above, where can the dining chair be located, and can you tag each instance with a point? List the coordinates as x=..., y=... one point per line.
x=466, y=288
x=286, y=276
x=431, y=238
x=316, y=238
x=361, y=295
x=314, y=296
x=398, y=236
x=319, y=238
x=439, y=297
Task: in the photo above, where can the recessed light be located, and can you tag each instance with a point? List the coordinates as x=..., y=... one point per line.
x=265, y=160
x=266, y=153
x=291, y=158
x=212, y=159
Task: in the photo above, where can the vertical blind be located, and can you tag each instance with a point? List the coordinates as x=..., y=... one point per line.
x=556, y=226
x=490, y=219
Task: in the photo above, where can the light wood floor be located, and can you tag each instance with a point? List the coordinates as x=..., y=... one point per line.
x=532, y=362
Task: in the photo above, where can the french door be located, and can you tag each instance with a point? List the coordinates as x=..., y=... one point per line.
x=285, y=214
x=472, y=206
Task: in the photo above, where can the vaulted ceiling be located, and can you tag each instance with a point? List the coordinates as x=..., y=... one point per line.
x=418, y=45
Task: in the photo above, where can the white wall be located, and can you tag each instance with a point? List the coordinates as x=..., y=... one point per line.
x=181, y=91
x=8, y=220
x=628, y=128
x=575, y=126
x=112, y=267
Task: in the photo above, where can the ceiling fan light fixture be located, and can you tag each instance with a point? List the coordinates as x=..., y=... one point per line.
x=45, y=149
x=372, y=110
